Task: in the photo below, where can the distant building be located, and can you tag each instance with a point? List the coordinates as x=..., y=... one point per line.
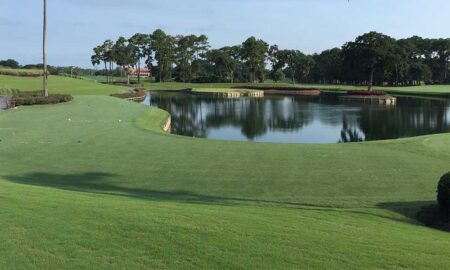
x=143, y=72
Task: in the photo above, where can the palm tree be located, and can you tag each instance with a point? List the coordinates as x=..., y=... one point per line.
x=44, y=50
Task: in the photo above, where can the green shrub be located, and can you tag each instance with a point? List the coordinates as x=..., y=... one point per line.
x=24, y=98
x=27, y=100
x=24, y=94
x=9, y=91
x=443, y=195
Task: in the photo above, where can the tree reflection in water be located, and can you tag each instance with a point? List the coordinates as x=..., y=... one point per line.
x=350, y=133
x=292, y=119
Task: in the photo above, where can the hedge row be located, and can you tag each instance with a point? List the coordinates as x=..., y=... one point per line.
x=40, y=100
x=24, y=98
x=9, y=91
x=21, y=72
x=25, y=94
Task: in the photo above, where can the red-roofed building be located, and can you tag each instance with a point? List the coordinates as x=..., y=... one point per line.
x=143, y=72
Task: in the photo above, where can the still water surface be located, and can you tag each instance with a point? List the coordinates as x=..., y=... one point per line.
x=288, y=119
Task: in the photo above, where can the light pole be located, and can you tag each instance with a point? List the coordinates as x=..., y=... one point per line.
x=44, y=56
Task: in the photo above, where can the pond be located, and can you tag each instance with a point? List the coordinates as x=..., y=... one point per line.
x=288, y=119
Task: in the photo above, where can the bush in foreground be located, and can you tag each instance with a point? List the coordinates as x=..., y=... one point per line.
x=443, y=195
x=437, y=216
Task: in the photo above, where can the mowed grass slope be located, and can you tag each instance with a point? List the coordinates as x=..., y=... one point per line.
x=96, y=184
x=60, y=85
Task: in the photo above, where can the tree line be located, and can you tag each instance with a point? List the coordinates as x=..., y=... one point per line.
x=53, y=70
x=372, y=58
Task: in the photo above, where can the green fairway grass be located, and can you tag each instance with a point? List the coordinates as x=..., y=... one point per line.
x=97, y=184
x=60, y=85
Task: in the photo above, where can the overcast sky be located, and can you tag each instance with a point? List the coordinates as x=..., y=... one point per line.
x=76, y=26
